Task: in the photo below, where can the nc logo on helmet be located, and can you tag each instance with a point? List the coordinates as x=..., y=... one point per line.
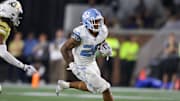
x=86, y=15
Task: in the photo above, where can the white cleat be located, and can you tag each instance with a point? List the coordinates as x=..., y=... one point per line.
x=59, y=87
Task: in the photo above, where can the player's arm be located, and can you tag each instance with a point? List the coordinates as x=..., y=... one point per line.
x=66, y=49
x=11, y=59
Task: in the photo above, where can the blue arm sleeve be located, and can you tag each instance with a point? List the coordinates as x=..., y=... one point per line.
x=76, y=36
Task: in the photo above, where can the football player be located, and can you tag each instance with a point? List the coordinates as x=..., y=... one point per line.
x=83, y=44
x=9, y=19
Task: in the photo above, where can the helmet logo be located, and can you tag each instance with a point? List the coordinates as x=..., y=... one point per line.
x=86, y=15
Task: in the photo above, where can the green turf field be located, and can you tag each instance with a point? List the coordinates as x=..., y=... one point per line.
x=47, y=93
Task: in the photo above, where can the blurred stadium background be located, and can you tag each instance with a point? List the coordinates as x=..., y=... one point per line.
x=144, y=35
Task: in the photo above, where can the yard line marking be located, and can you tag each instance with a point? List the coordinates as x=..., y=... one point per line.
x=88, y=96
x=114, y=89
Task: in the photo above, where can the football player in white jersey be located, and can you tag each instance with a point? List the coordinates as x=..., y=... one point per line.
x=83, y=44
x=9, y=18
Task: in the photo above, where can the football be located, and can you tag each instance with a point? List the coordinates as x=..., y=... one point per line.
x=105, y=49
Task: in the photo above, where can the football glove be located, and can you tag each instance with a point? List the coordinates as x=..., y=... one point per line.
x=29, y=69
x=105, y=49
x=71, y=66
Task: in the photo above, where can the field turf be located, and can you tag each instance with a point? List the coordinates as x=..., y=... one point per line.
x=47, y=93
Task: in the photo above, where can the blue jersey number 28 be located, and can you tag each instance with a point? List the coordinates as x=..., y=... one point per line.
x=88, y=50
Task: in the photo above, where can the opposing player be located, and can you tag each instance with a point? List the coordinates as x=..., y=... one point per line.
x=84, y=42
x=9, y=19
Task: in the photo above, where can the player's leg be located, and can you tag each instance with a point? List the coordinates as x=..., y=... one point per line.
x=165, y=73
x=165, y=80
x=107, y=95
x=99, y=85
x=173, y=80
x=174, y=72
x=79, y=85
x=91, y=81
x=95, y=83
x=61, y=85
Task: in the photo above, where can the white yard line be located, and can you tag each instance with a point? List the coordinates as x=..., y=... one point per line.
x=114, y=89
x=91, y=96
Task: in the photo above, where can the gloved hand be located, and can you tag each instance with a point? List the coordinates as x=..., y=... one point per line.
x=71, y=66
x=29, y=69
x=105, y=49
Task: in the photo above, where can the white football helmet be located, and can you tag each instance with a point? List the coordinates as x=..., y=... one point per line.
x=11, y=9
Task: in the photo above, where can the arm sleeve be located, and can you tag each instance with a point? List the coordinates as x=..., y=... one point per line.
x=9, y=58
x=105, y=31
x=76, y=36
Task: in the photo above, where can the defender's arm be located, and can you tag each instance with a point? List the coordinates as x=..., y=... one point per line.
x=11, y=59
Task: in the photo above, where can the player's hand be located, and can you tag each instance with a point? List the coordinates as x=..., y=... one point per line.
x=71, y=66
x=105, y=49
x=29, y=69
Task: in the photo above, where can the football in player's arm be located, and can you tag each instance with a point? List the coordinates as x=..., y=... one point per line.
x=9, y=19
x=79, y=53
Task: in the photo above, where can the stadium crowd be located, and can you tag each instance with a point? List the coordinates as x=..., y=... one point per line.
x=139, y=14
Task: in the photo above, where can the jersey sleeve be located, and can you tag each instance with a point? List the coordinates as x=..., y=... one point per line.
x=76, y=35
x=105, y=31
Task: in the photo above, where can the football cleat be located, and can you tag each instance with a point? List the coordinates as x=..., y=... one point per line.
x=59, y=87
